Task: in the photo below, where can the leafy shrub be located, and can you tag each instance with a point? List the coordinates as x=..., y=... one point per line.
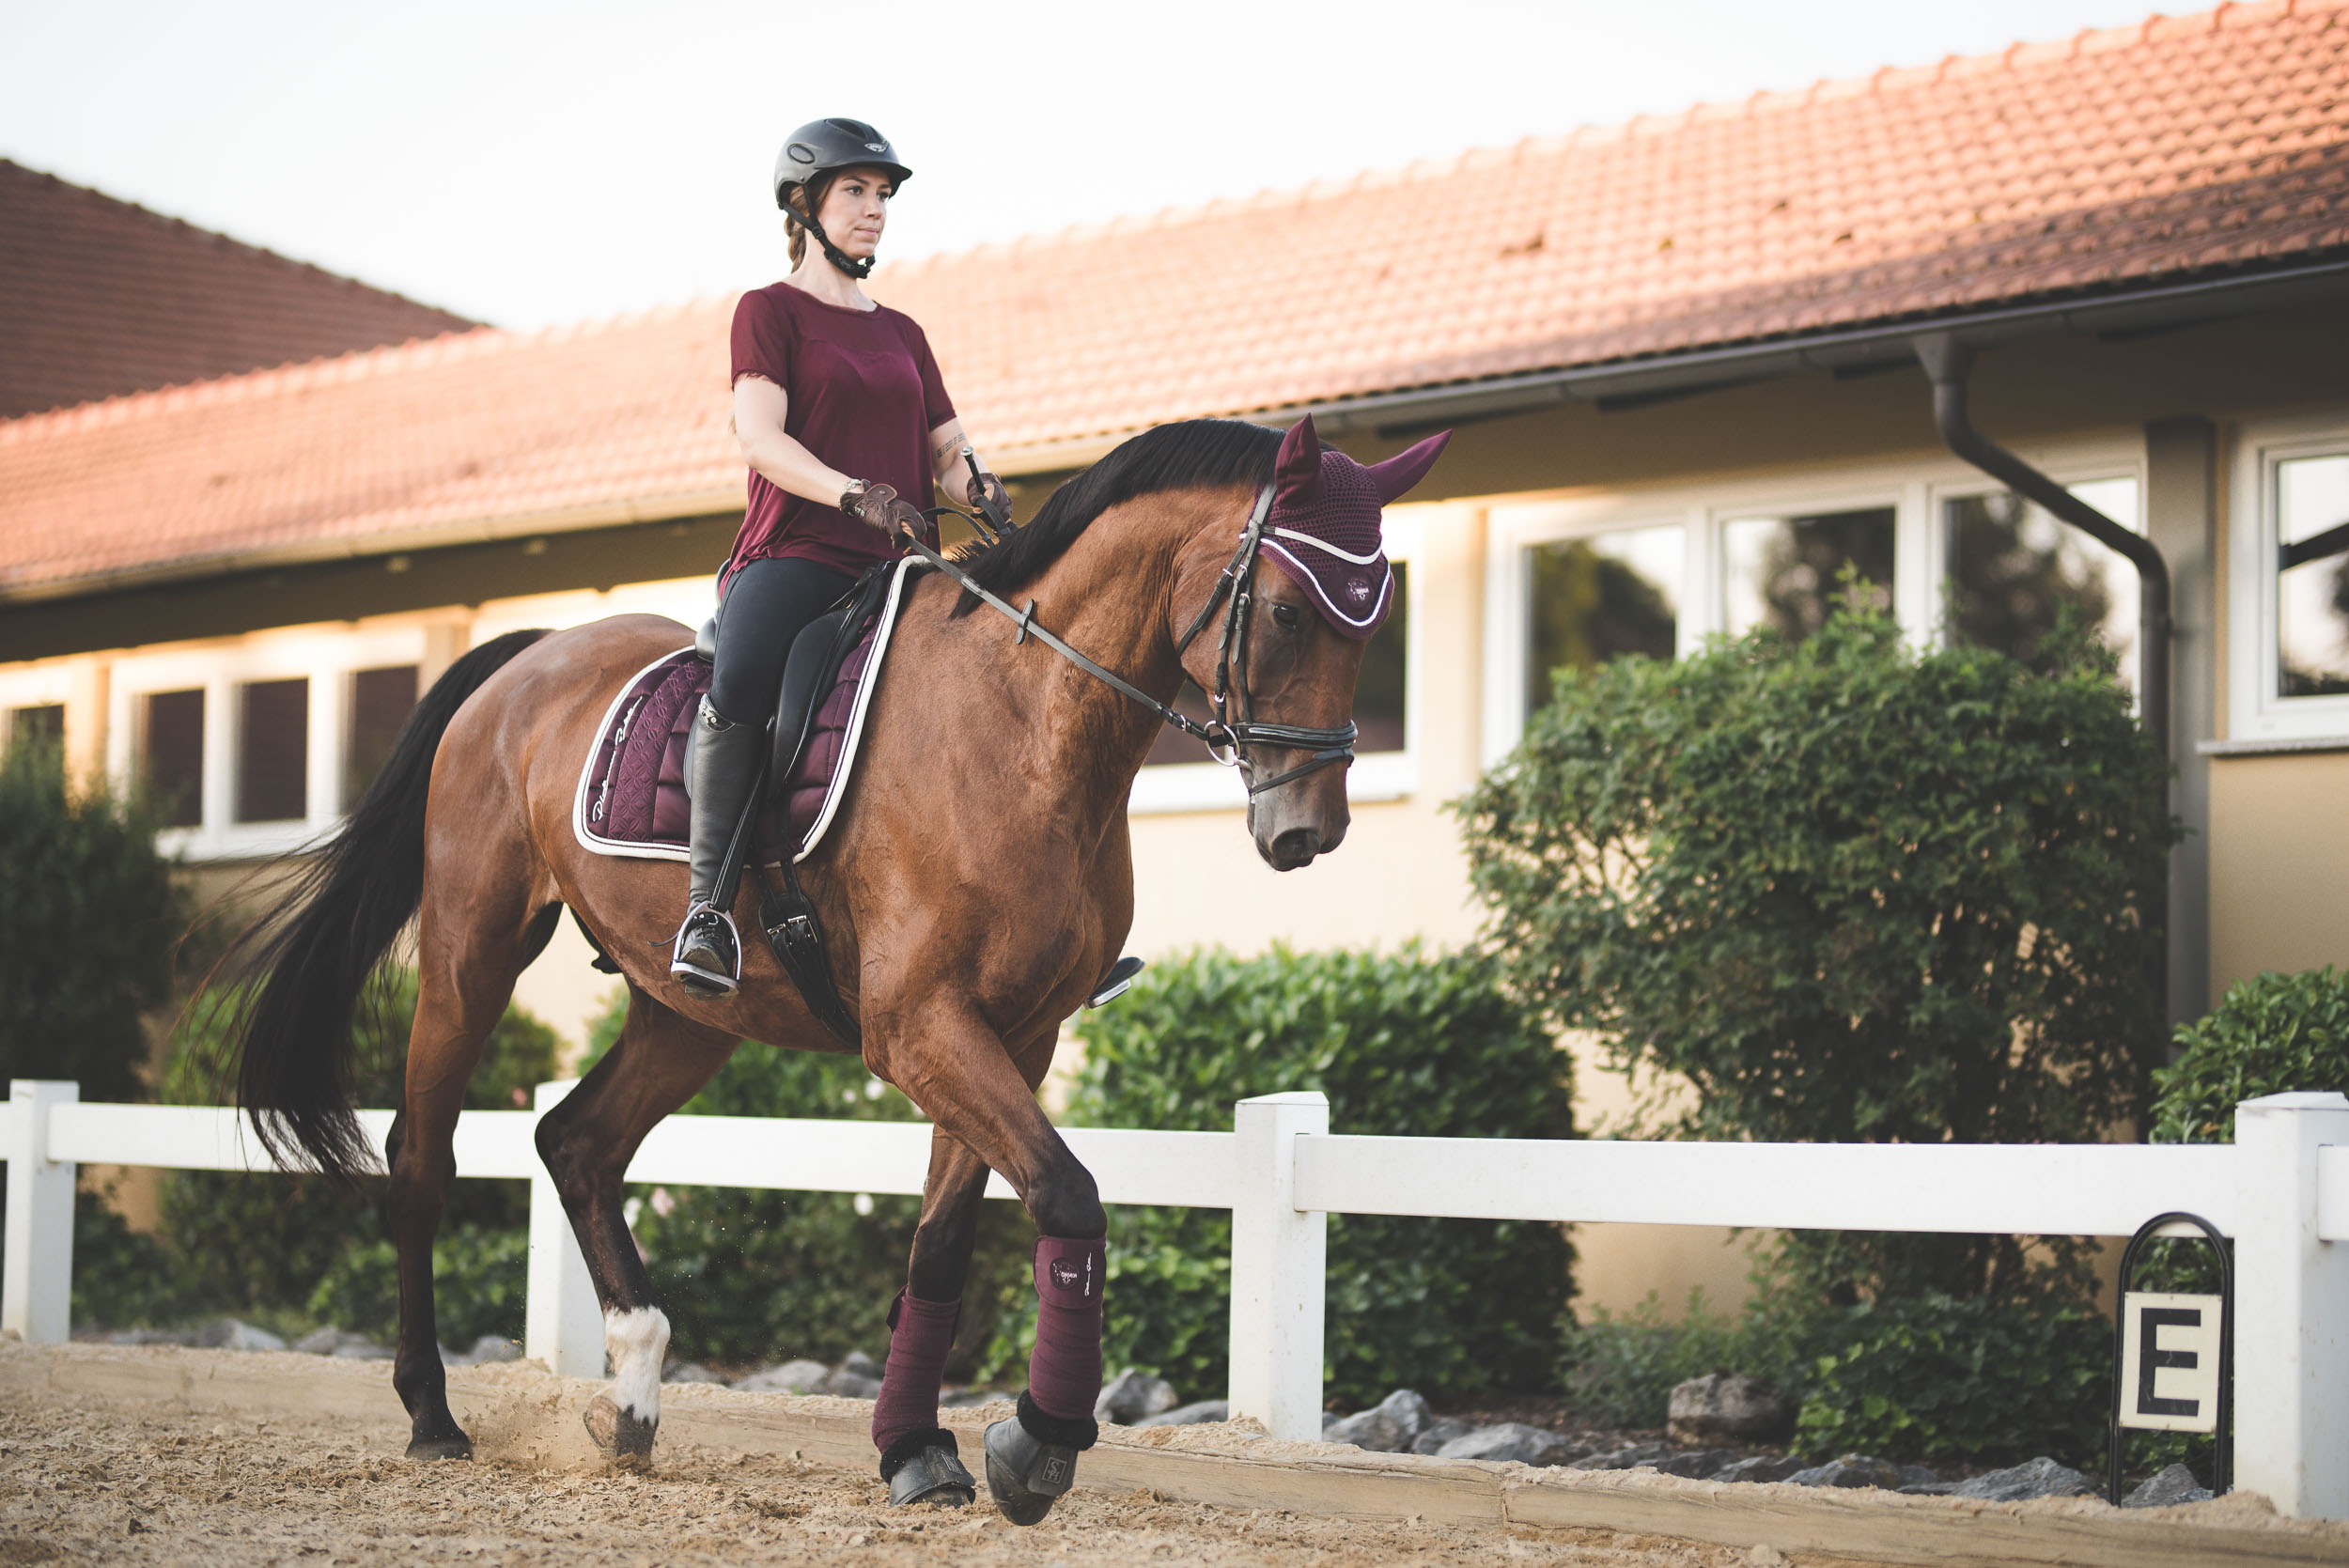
x=260, y=1243
x=86, y=930
x=1416, y=1044
x=1938, y=1377
x=121, y=1278
x=1620, y=1370
x=478, y=1276
x=2271, y=1034
x=1849, y=891
x=747, y=1275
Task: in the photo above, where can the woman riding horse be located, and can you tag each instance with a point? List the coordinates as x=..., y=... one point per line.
x=974, y=889
x=828, y=386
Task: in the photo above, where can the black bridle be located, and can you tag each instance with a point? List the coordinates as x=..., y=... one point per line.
x=1225, y=736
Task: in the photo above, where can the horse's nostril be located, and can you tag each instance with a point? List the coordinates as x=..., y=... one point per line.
x=1295, y=848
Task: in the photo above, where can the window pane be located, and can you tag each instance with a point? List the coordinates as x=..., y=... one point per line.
x=379, y=701
x=1599, y=597
x=1783, y=571
x=42, y=726
x=171, y=755
x=2312, y=597
x=274, y=751
x=1378, y=691
x=2013, y=568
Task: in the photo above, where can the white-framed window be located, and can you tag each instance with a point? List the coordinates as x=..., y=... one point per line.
x=1572, y=581
x=256, y=748
x=2288, y=583
x=1386, y=710
x=33, y=700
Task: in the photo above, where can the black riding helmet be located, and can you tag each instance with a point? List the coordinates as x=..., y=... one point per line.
x=819, y=148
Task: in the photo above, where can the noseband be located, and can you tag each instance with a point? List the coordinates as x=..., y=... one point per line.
x=1225, y=736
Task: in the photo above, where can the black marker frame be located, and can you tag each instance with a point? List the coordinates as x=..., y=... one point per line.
x=2222, y=1436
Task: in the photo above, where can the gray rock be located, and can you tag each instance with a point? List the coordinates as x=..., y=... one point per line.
x=1917, y=1475
x=1528, y=1445
x=1624, y=1458
x=791, y=1377
x=858, y=1364
x=2037, y=1478
x=342, y=1342
x=152, y=1336
x=1440, y=1432
x=1728, y=1408
x=228, y=1334
x=844, y=1383
x=1199, y=1414
x=1762, y=1467
x=2172, y=1485
x=494, y=1347
x=358, y=1347
x=1131, y=1396
x=1852, y=1470
x=1390, y=1426
x=1697, y=1465
x=693, y=1372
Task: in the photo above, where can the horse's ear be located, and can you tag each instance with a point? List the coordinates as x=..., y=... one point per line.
x=1297, y=474
x=1398, y=473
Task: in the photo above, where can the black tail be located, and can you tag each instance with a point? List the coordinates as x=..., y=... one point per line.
x=305, y=961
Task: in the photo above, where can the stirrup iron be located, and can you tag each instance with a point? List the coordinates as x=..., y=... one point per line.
x=697, y=979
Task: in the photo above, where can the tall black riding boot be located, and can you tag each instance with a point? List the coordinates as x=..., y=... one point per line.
x=721, y=771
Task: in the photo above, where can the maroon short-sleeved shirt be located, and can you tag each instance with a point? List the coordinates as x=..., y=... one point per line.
x=865, y=395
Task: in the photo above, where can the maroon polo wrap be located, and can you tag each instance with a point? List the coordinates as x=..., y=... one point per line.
x=1065, y=1368
x=920, y=1335
x=1324, y=529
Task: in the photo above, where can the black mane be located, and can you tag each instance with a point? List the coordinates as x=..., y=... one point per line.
x=1166, y=458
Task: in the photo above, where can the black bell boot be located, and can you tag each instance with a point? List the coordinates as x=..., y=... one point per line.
x=721, y=771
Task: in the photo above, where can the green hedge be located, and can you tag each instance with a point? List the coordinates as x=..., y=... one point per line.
x=2270, y=1034
x=1414, y=1043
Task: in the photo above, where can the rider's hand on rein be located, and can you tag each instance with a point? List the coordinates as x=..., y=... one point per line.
x=879, y=506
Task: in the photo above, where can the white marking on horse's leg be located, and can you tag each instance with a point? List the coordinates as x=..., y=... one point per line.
x=637, y=1341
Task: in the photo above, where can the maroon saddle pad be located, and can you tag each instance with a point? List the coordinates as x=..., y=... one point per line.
x=631, y=798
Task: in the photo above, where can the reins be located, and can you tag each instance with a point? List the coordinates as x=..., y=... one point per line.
x=1224, y=738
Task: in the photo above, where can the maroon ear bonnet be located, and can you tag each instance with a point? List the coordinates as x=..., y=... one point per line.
x=1324, y=528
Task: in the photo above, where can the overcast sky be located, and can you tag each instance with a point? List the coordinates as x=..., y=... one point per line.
x=528, y=164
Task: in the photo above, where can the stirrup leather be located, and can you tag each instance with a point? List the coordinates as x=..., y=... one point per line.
x=706, y=916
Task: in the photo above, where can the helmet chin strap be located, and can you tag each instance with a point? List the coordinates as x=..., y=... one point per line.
x=833, y=253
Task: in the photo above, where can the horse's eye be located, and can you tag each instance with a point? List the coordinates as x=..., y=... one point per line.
x=1285, y=615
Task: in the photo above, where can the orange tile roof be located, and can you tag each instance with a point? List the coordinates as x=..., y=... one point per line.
x=2182, y=148
x=99, y=297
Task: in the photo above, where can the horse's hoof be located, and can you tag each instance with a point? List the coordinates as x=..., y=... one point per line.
x=625, y=1438
x=924, y=1467
x=1025, y=1475
x=457, y=1447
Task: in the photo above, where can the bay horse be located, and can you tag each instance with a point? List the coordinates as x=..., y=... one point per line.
x=975, y=889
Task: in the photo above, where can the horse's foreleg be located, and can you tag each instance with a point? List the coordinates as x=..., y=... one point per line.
x=659, y=1062
x=918, y=1457
x=960, y=1072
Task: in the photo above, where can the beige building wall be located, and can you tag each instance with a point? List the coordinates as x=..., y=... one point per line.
x=2279, y=866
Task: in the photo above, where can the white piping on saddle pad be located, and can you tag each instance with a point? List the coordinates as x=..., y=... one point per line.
x=852, y=743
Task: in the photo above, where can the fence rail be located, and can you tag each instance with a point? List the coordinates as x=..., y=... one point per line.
x=2281, y=1191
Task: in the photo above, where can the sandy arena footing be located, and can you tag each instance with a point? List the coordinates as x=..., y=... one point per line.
x=157, y=1454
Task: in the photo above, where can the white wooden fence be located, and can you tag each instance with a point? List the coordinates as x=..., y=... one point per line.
x=2281, y=1191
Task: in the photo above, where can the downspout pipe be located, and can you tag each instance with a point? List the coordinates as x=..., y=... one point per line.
x=1948, y=362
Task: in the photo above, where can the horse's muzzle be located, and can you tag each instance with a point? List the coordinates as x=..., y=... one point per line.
x=1292, y=847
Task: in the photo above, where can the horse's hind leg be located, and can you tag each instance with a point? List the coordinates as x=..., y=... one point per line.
x=658, y=1063
x=470, y=949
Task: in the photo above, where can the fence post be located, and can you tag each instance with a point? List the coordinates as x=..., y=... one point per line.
x=36, y=1276
x=562, y=1326
x=2290, y=1312
x=1278, y=1257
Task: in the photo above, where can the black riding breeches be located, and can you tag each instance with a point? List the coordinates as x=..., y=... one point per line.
x=767, y=604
